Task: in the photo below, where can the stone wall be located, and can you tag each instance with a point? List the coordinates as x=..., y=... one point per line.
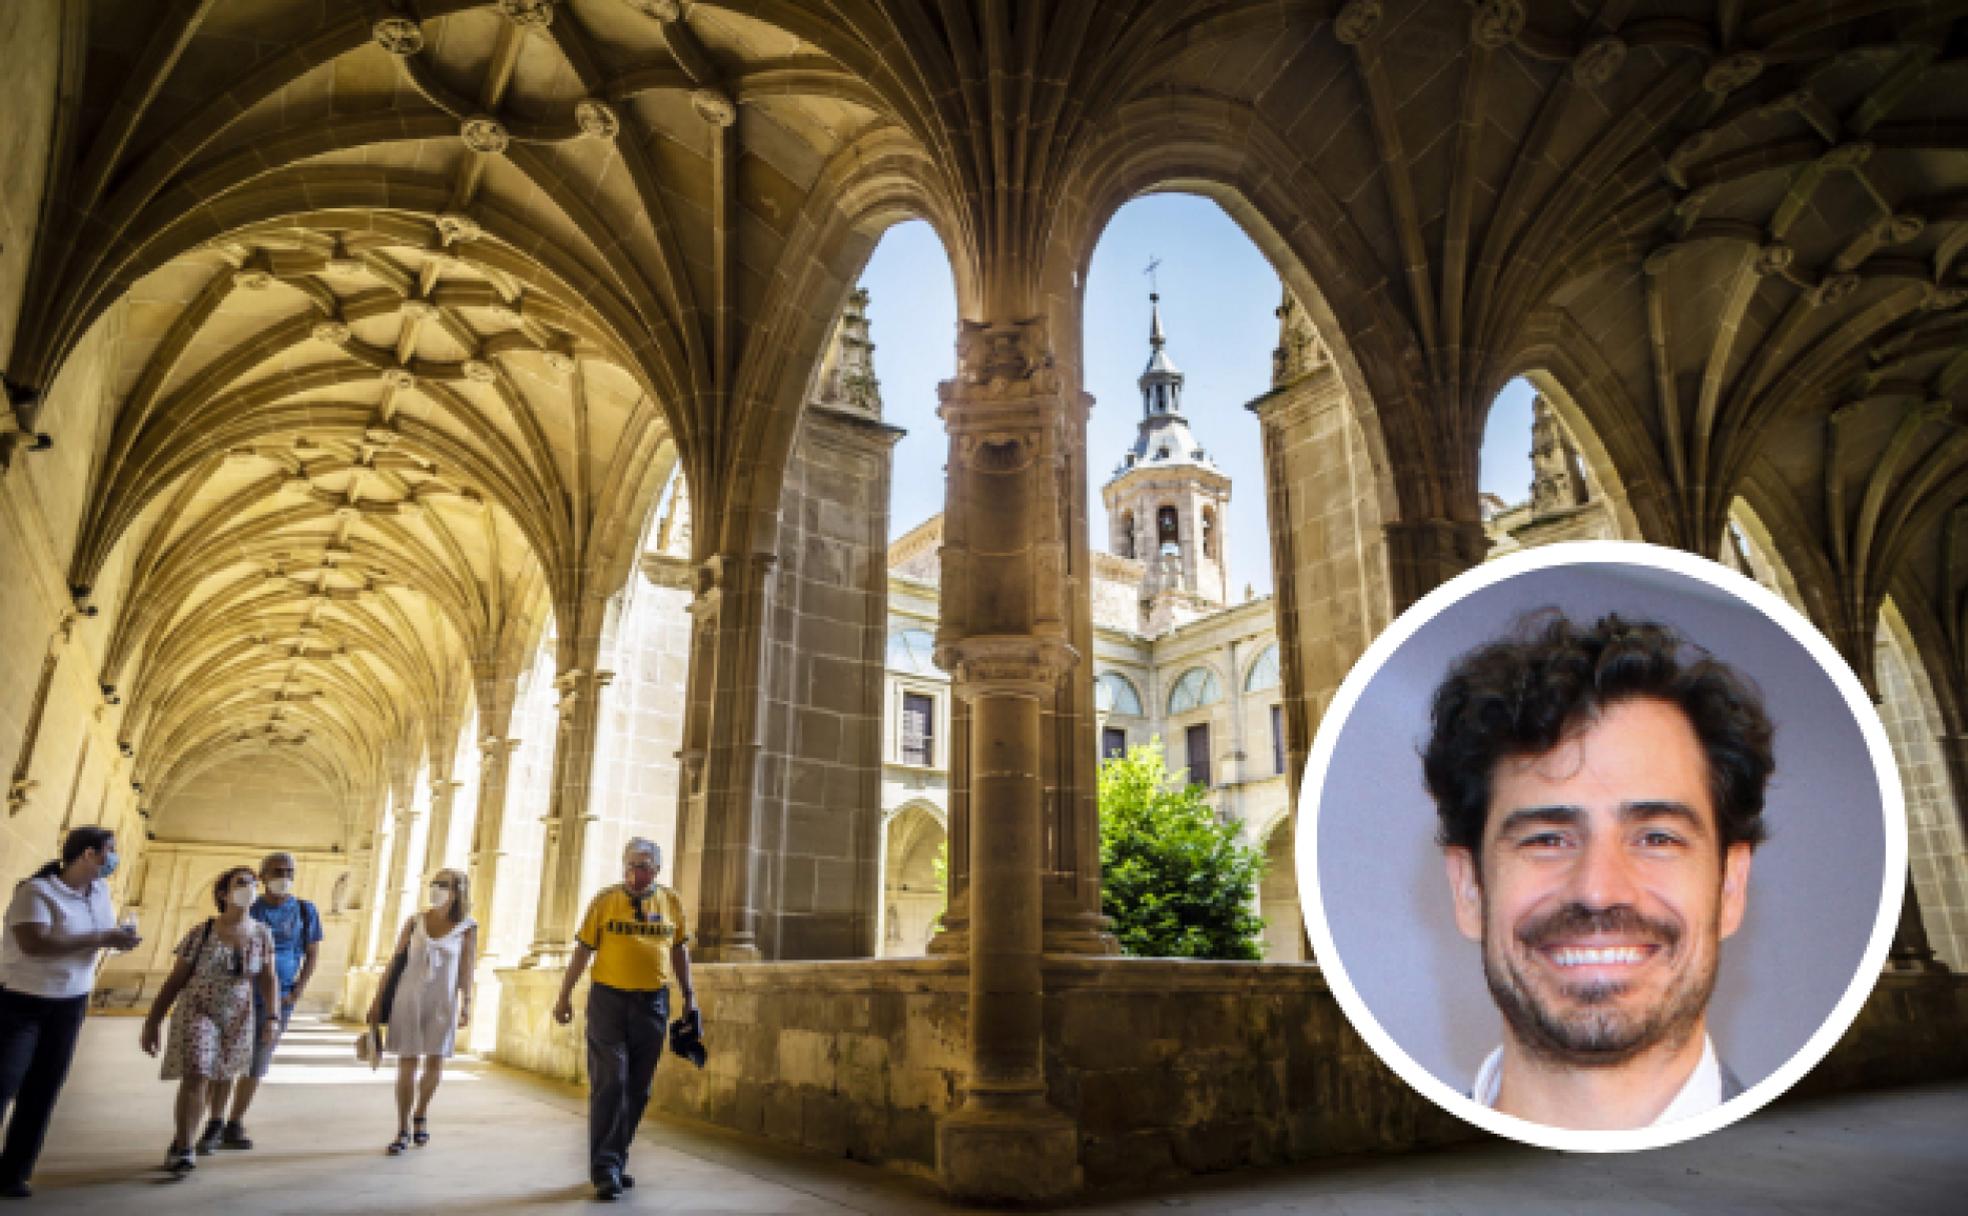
x=1169, y=1066
x=267, y=801
x=819, y=785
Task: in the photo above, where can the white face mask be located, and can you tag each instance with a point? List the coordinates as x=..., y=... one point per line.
x=440, y=897
x=279, y=886
x=242, y=896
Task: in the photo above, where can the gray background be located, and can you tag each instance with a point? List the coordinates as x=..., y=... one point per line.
x=1814, y=889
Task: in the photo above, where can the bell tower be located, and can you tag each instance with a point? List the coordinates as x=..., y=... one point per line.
x=1166, y=499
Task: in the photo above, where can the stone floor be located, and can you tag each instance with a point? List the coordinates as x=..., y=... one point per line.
x=508, y=1142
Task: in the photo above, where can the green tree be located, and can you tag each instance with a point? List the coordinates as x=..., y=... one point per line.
x=1176, y=881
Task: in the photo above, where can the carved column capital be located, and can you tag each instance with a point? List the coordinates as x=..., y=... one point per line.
x=1006, y=666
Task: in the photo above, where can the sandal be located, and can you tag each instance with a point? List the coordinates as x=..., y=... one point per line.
x=400, y=1144
x=422, y=1135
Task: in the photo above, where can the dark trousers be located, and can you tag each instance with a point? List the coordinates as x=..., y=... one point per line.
x=626, y=1035
x=37, y=1041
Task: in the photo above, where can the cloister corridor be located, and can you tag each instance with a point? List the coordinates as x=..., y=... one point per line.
x=505, y=1141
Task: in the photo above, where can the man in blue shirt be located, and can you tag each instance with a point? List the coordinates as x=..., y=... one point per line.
x=296, y=926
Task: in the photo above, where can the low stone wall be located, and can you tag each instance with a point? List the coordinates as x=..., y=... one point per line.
x=1168, y=1066
x=1913, y=1028
x=1173, y=1066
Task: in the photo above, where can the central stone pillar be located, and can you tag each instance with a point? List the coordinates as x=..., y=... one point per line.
x=730, y=611
x=568, y=817
x=1004, y=638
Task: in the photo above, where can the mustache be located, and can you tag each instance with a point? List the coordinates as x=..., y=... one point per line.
x=1578, y=920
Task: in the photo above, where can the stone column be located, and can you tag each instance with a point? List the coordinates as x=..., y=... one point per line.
x=1074, y=923
x=731, y=604
x=495, y=754
x=403, y=871
x=1004, y=639
x=443, y=793
x=569, y=817
x=1422, y=554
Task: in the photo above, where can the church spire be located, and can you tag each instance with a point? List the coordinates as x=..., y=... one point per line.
x=1155, y=339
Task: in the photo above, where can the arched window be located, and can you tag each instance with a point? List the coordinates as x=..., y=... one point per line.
x=909, y=651
x=1263, y=673
x=1211, y=542
x=1114, y=693
x=1165, y=527
x=1127, y=534
x=1197, y=687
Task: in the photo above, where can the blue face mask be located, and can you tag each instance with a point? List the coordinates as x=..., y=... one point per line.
x=109, y=864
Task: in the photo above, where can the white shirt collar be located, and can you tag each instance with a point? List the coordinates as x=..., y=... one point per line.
x=1701, y=1092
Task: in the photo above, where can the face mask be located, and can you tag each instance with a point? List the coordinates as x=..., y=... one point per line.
x=109, y=864
x=439, y=897
x=279, y=886
x=242, y=897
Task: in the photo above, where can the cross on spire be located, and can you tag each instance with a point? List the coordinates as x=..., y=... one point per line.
x=1153, y=263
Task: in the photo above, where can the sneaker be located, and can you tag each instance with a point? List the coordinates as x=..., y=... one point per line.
x=208, y=1140
x=16, y=1190
x=179, y=1161
x=234, y=1136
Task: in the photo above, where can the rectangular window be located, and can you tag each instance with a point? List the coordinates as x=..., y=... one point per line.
x=918, y=729
x=1113, y=742
x=1278, y=737
x=1199, y=754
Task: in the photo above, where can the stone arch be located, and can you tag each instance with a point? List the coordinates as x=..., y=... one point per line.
x=1613, y=436
x=1278, y=898
x=1937, y=844
x=912, y=896
x=1197, y=688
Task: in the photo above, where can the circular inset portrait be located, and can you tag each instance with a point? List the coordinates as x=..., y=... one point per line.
x=1606, y=846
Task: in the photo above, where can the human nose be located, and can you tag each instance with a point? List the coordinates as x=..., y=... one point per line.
x=1603, y=876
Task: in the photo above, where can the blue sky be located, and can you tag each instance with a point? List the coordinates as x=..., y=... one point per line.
x=1218, y=293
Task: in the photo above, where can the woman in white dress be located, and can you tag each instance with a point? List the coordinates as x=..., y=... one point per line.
x=433, y=999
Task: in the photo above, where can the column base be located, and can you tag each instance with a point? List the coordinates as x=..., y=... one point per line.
x=1082, y=934
x=1026, y=1154
x=736, y=953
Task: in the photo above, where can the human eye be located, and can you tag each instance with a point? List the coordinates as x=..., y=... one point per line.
x=1548, y=839
x=1660, y=838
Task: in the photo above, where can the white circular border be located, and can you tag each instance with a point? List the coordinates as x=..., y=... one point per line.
x=1615, y=552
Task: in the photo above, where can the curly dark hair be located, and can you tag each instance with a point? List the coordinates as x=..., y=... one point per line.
x=1524, y=694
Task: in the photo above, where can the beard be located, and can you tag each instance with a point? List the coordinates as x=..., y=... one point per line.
x=1583, y=1025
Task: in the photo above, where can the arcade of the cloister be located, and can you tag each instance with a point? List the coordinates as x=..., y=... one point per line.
x=426, y=445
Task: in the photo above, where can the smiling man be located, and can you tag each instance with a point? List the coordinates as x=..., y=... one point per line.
x=1600, y=793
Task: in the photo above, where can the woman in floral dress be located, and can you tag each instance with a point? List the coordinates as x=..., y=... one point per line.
x=212, y=1028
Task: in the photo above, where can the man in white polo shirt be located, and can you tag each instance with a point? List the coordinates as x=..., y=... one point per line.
x=56, y=923
x=1599, y=795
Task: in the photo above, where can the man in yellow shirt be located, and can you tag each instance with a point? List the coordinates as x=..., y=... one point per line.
x=636, y=936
